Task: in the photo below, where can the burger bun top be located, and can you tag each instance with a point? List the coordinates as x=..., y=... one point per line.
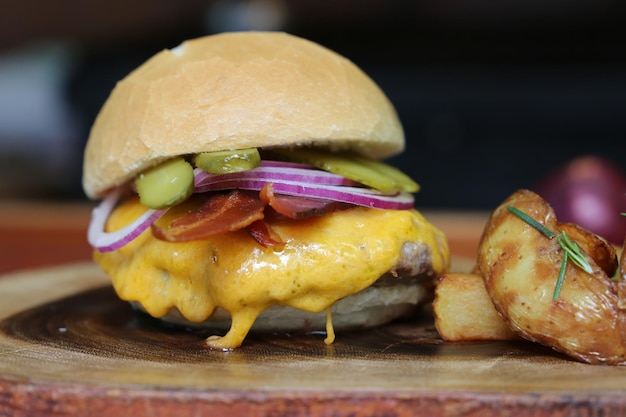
x=233, y=91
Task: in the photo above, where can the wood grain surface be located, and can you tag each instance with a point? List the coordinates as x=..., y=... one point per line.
x=69, y=347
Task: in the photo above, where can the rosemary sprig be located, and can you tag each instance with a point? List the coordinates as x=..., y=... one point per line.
x=532, y=222
x=574, y=253
x=571, y=251
x=560, y=279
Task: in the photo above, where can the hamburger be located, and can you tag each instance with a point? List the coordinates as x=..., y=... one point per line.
x=242, y=187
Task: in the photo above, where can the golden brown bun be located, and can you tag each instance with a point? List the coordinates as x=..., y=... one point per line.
x=234, y=91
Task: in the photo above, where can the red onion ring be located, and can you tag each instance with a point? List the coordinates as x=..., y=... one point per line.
x=353, y=195
x=284, y=173
x=107, y=242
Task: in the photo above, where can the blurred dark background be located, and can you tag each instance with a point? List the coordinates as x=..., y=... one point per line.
x=493, y=94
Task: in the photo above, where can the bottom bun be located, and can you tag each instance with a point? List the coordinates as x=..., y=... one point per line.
x=373, y=306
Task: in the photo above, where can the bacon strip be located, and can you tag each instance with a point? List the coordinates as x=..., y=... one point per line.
x=298, y=207
x=239, y=209
x=220, y=214
x=264, y=235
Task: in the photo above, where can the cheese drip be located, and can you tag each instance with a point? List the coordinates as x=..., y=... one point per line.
x=330, y=330
x=324, y=259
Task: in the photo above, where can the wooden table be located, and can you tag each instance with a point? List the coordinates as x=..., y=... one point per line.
x=68, y=346
x=40, y=234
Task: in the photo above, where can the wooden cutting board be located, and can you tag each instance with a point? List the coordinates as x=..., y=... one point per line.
x=68, y=346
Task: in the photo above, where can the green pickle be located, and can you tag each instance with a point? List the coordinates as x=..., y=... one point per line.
x=166, y=185
x=374, y=174
x=223, y=162
x=402, y=181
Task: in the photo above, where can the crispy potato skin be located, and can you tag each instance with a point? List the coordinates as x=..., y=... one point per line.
x=521, y=266
x=463, y=310
x=598, y=248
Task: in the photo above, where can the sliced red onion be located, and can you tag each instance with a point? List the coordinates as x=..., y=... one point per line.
x=353, y=195
x=107, y=242
x=273, y=174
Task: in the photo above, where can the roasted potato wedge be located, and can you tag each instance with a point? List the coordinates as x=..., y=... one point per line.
x=463, y=310
x=521, y=267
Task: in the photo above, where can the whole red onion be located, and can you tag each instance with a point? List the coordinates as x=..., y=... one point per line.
x=591, y=192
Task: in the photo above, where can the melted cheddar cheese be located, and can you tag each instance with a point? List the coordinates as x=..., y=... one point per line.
x=324, y=259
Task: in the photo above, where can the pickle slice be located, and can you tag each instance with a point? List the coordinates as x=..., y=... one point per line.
x=223, y=162
x=165, y=185
x=374, y=174
x=403, y=181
